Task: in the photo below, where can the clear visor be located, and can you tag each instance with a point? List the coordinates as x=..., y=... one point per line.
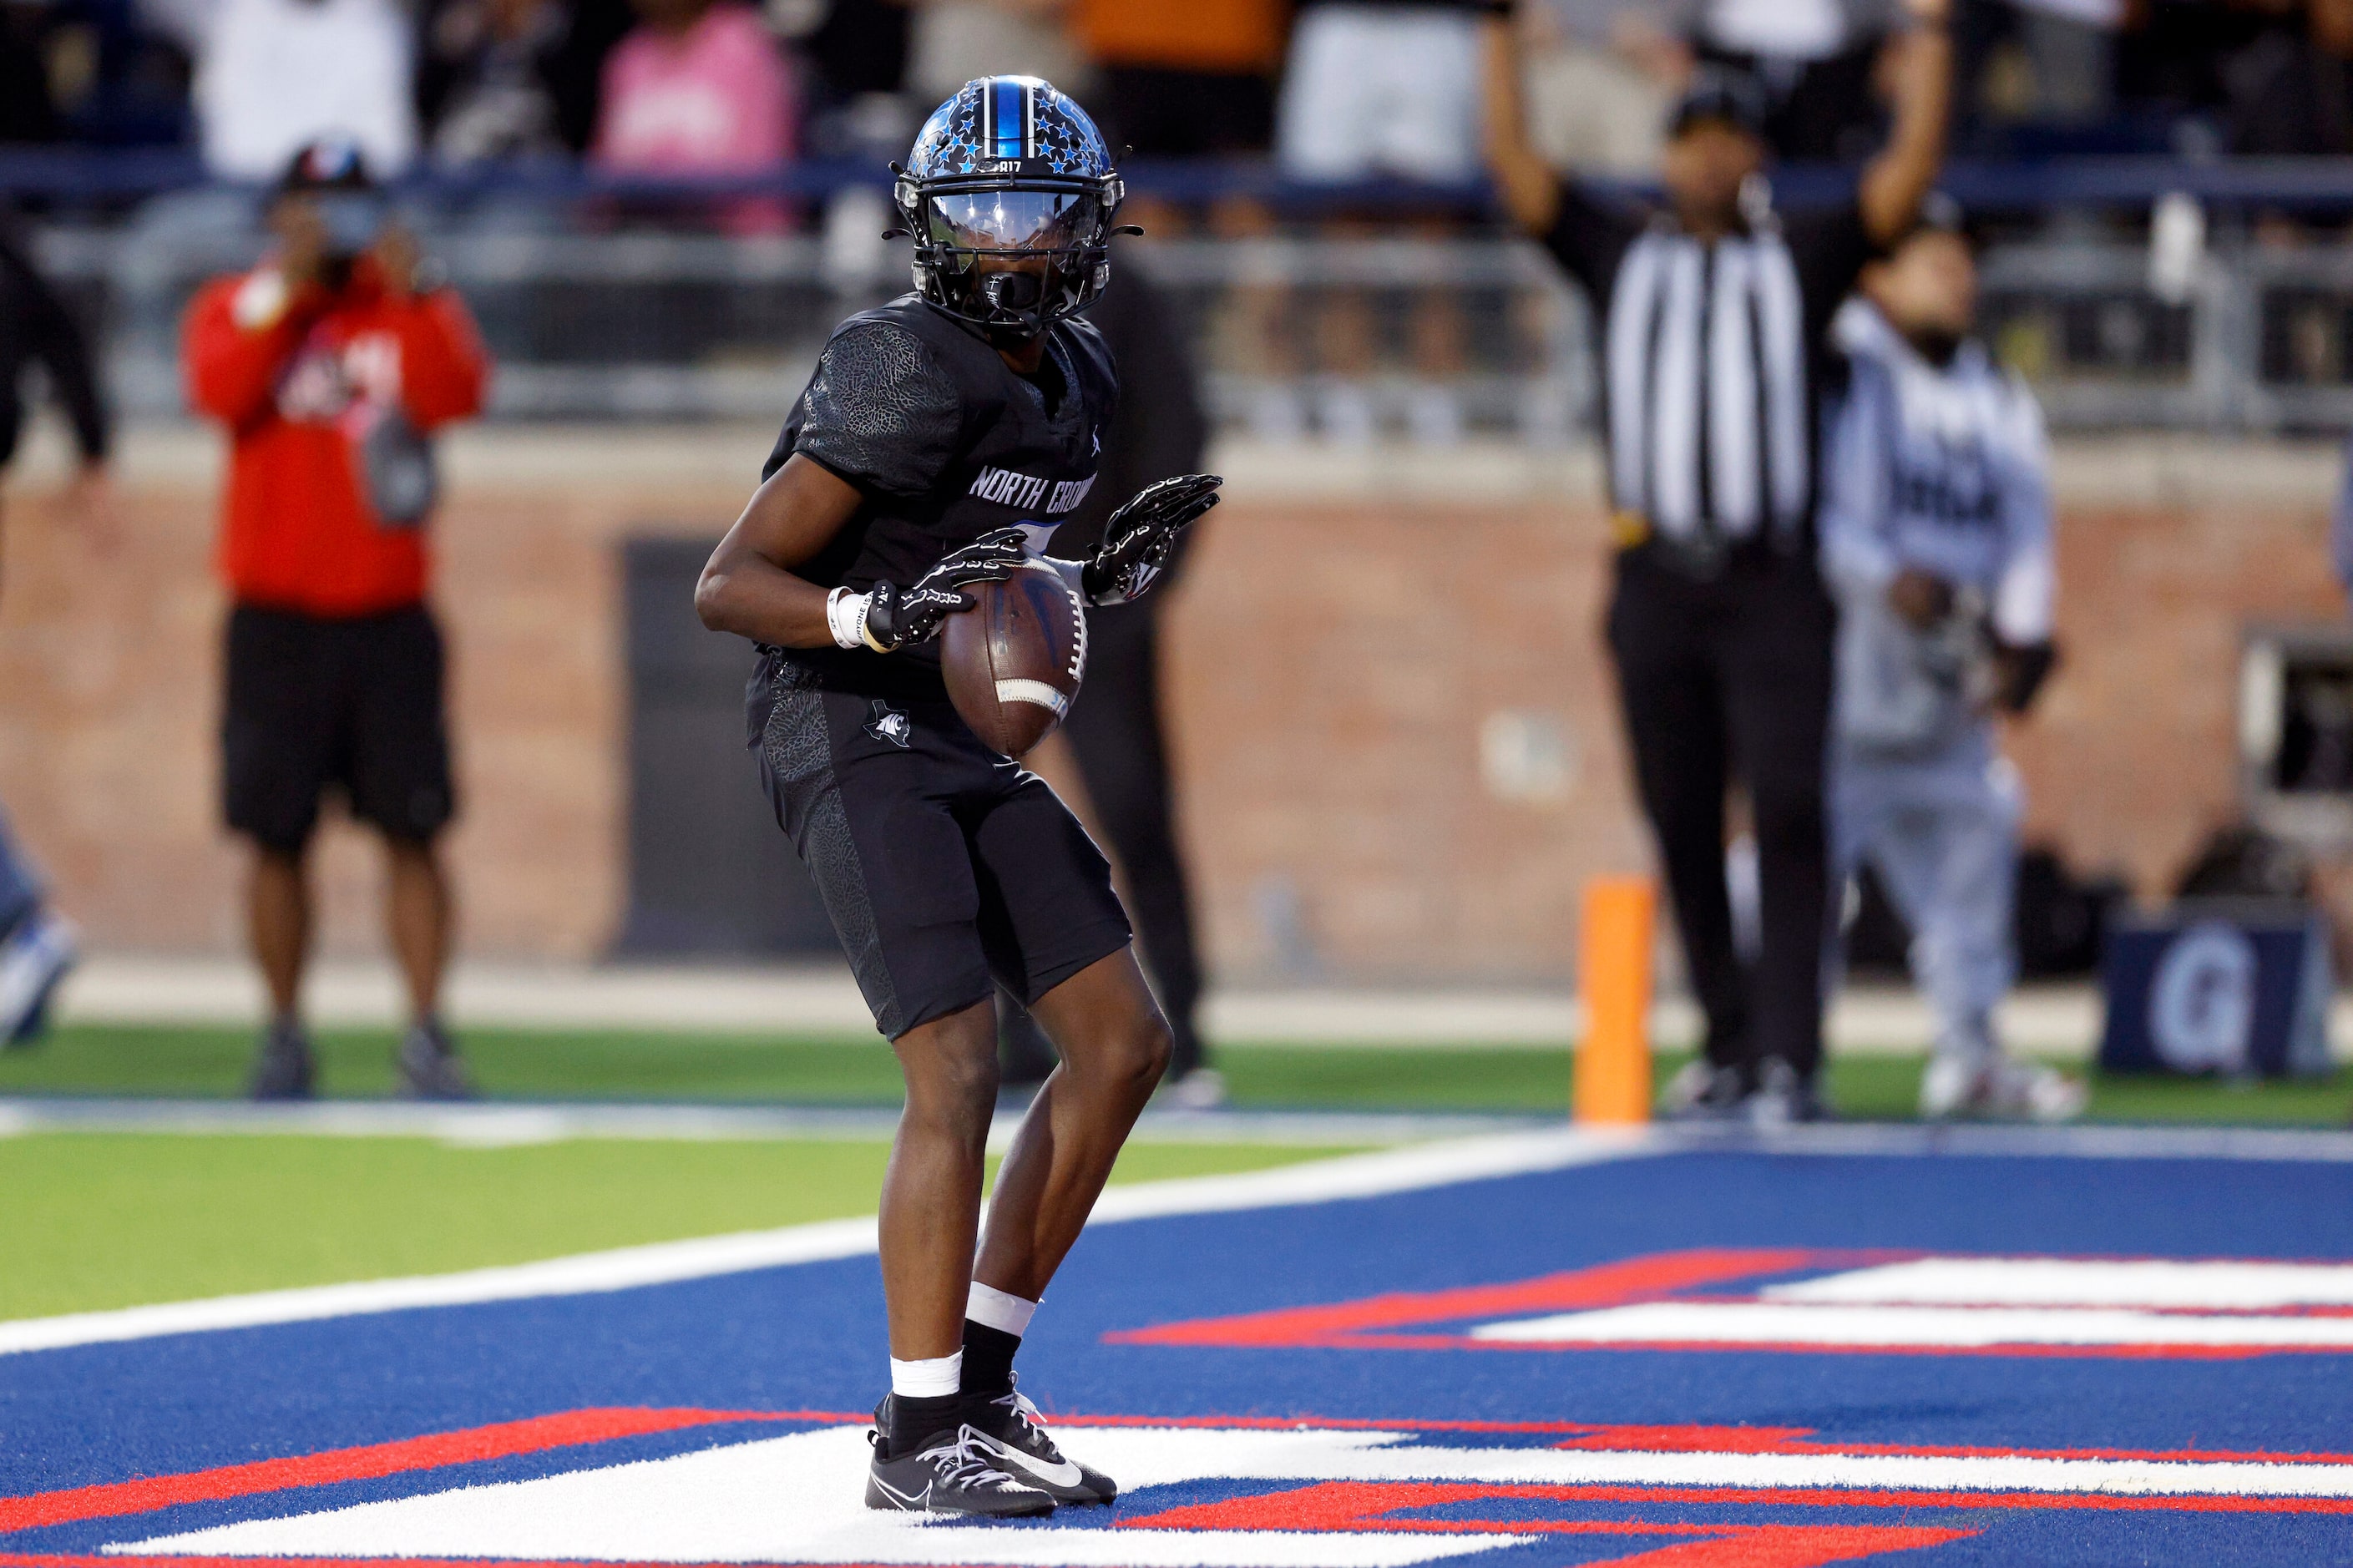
x=1012, y=220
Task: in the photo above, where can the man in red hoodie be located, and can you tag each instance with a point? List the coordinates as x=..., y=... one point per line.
x=330, y=364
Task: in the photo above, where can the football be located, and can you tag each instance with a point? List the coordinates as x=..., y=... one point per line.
x=1013, y=662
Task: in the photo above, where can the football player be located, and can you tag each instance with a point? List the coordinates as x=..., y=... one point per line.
x=1936, y=541
x=942, y=435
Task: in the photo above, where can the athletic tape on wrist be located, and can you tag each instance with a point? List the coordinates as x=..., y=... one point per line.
x=845, y=617
x=1073, y=572
x=999, y=1309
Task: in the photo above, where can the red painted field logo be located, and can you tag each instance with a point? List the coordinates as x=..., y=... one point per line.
x=782, y=1488
x=1801, y=1299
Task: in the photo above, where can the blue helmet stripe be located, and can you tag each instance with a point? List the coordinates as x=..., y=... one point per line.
x=1009, y=132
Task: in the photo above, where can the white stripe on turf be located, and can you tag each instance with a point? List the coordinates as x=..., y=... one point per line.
x=796, y=1499
x=2179, y=1284
x=512, y=1124
x=1321, y=1180
x=1880, y=1326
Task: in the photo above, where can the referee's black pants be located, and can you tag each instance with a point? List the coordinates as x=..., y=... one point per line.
x=1116, y=737
x=1723, y=677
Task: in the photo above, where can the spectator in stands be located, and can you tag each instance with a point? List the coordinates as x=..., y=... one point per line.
x=2291, y=88
x=2052, y=62
x=861, y=47
x=273, y=76
x=1713, y=315
x=2170, y=53
x=330, y=364
x=37, y=944
x=954, y=41
x=89, y=72
x=1183, y=77
x=488, y=79
x=1600, y=76
x=699, y=88
x=1387, y=89
x=1382, y=89
x=1815, y=60
x=856, y=52
x=27, y=112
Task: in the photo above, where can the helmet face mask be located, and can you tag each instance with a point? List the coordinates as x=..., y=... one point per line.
x=1010, y=197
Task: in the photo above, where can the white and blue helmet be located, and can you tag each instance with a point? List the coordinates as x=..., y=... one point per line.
x=1011, y=196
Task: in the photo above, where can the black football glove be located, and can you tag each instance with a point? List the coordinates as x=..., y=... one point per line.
x=1140, y=536
x=2019, y=670
x=899, y=617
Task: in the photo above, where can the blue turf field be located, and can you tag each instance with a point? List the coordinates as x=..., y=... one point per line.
x=1694, y=1358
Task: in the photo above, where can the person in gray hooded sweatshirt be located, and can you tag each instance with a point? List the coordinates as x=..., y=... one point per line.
x=1935, y=538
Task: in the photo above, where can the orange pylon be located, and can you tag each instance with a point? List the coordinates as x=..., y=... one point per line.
x=1613, y=1063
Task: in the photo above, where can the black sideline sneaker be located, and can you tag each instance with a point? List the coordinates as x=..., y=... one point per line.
x=1703, y=1091
x=430, y=1068
x=952, y=1473
x=283, y=1069
x=1783, y=1099
x=1008, y=1429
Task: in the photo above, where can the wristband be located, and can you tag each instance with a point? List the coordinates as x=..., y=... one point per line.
x=260, y=301
x=845, y=617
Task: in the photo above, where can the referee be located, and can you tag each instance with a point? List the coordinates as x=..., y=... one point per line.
x=1716, y=314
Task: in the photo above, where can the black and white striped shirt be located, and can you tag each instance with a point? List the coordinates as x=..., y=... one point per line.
x=1714, y=356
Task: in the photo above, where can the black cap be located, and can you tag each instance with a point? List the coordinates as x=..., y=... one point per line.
x=330, y=163
x=1731, y=98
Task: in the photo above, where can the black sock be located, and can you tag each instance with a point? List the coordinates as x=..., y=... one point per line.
x=915, y=1421
x=988, y=1360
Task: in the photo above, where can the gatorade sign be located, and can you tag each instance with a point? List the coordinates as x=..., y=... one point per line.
x=2232, y=990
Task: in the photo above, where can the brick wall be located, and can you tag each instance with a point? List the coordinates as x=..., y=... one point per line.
x=1394, y=725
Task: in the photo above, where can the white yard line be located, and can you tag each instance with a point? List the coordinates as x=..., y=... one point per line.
x=502, y=1125
x=1353, y=1176
x=661, y=1263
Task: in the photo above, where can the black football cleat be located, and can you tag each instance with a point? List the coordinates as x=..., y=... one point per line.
x=951, y=1473
x=1008, y=1429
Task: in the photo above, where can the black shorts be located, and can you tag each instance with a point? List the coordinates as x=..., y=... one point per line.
x=351, y=704
x=945, y=868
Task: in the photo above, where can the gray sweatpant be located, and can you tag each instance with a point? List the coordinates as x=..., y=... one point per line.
x=20, y=886
x=1941, y=829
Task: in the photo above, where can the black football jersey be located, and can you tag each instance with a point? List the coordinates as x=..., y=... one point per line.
x=942, y=440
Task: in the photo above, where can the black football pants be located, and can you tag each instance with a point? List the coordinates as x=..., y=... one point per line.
x=1115, y=734
x=1723, y=677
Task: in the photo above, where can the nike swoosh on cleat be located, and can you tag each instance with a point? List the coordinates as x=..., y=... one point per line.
x=918, y=1502
x=1064, y=1474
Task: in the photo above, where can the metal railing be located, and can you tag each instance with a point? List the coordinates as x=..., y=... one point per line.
x=1348, y=339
